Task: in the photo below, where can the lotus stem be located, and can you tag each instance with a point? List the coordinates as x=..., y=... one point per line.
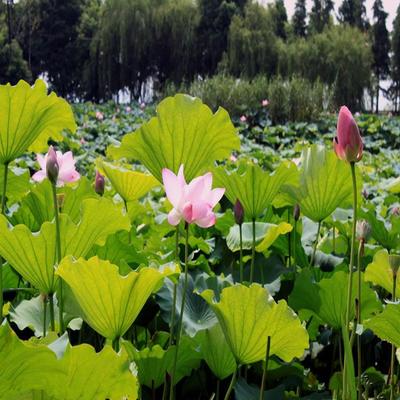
x=315, y=245
x=241, y=253
x=294, y=247
x=51, y=309
x=44, y=314
x=289, y=243
x=253, y=250
x=265, y=368
x=179, y=330
x=3, y=211
x=231, y=385
x=115, y=344
x=172, y=323
x=351, y=265
x=58, y=259
x=392, y=357
x=358, y=317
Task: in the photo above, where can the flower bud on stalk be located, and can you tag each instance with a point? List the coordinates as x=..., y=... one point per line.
x=52, y=167
x=99, y=183
x=238, y=212
x=296, y=212
x=363, y=230
x=394, y=261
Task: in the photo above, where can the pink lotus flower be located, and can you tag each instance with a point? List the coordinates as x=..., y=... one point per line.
x=142, y=106
x=194, y=202
x=233, y=158
x=243, y=118
x=66, y=168
x=265, y=103
x=99, y=115
x=347, y=143
x=128, y=109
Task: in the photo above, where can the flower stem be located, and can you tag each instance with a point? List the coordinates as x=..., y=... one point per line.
x=392, y=358
x=253, y=251
x=3, y=211
x=358, y=318
x=171, y=329
x=179, y=330
x=115, y=344
x=241, y=253
x=44, y=315
x=315, y=245
x=294, y=248
x=265, y=368
x=351, y=264
x=231, y=385
x=289, y=243
x=58, y=259
x=51, y=309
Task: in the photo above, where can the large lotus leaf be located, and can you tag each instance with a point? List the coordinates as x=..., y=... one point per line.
x=386, y=325
x=265, y=236
x=248, y=315
x=216, y=352
x=29, y=117
x=256, y=189
x=24, y=366
x=130, y=185
x=325, y=183
x=17, y=182
x=328, y=297
x=110, y=302
x=33, y=255
x=155, y=362
x=185, y=131
x=380, y=273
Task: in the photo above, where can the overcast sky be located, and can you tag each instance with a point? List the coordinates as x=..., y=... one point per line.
x=390, y=7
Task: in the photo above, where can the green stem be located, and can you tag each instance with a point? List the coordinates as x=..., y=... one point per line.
x=265, y=368
x=315, y=245
x=173, y=310
x=253, y=251
x=333, y=240
x=289, y=243
x=217, y=389
x=179, y=330
x=294, y=247
x=51, y=308
x=44, y=315
x=392, y=358
x=358, y=318
x=351, y=263
x=3, y=211
x=231, y=385
x=241, y=253
x=58, y=259
x=115, y=344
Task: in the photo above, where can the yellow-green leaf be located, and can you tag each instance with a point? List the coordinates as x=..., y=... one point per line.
x=110, y=302
x=185, y=131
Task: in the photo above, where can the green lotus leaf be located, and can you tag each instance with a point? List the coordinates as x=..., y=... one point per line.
x=380, y=273
x=256, y=189
x=328, y=297
x=17, y=182
x=266, y=234
x=155, y=362
x=130, y=185
x=216, y=352
x=29, y=117
x=185, y=131
x=324, y=183
x=33, y=254
x=386, y=325
x=248, y=315
x=24, y=366
x=110, y=302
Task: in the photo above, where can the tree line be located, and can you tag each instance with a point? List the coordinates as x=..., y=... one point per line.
x=91, y=49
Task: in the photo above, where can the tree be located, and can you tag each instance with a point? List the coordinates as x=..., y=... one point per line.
x=280, y=18
x=320, y=15
x=395, y=62
x=299, y=19
x=380, y=46
x=353, y=12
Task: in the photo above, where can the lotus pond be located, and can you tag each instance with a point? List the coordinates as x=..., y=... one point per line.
x=174, y=252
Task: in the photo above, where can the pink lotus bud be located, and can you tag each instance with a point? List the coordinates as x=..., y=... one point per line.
x=347, y=143
x=243, y=118
x=142, y=106
x=296, y=212
x=99, y=115
x=128, y=109
x=395, y=211
x=238, y=211
x=265, y=103
x=363, y=230
x=99, y=183
x=52, y=167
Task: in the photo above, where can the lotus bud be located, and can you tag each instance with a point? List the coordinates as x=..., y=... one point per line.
x=394, y=261
x=348, y=144
x=238, y=211
x=296, y=212
x=363, y=230
x=99, y=183
x=52, y=166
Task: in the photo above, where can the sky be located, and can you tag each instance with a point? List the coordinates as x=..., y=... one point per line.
x=390, y=7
